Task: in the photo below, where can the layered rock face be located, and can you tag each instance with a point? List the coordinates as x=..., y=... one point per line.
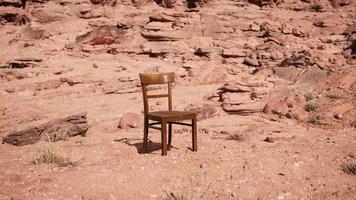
x=258, y=51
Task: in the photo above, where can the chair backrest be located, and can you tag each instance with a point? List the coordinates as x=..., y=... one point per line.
x=156, y=79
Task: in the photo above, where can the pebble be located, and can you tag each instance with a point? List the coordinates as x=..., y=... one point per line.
x=203, y=165
x=338, y=116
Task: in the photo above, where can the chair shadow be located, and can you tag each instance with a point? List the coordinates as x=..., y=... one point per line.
x=151, y=146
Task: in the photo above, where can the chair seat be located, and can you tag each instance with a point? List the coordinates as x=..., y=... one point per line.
x=170, y=115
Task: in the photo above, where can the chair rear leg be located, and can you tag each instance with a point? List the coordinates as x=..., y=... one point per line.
x=164, y=138
x=145, y=136
x=169, y=136
x=194, y=134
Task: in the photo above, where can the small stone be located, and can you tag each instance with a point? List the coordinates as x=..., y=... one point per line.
x=10, y=90
x=203, y=165
x=338, y=116
x=251, y=62
x=131, y=120
x=269, y=139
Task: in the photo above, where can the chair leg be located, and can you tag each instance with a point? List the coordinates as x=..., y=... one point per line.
x=145, y=136
x=169, y=136
x=194, y=134
x=164, y=138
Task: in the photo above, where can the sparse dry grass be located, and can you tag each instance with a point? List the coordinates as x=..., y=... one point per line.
x=349, y=168
x=315, y=120
x=60, y=136
x=173, y=196
x=236, y=137
x=308, y=96
x=49, y=156
x=311, y=106
x=334, y=95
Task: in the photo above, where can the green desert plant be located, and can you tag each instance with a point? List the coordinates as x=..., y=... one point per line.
x=311, y=106
x=349, y=168
x=49, y=156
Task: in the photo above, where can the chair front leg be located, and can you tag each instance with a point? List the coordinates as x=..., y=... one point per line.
x=194, y=134
x=145, y=135
x=164, y=137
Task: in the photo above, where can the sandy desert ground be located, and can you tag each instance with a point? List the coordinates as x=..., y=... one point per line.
x=273, y=83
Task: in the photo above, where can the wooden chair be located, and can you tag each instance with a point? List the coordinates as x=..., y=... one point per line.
x=164, y=117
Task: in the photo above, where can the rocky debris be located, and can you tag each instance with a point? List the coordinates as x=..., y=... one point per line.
x=162, y=17
x=13, y=3
x=156, y=26
x=299, y=59
x=104, y=35
x=22, y=63
x=244, y=98
x=104, y=2
x=264, y=2
x=277, y=107
x=10, y=74
x=201, y=53
x=211, y=27
x=71, y=126
x=139, y=3
x=204, y=110
x=350, y=50
x=49, y=84
x=236, y=86
x=131, y=120
x=49, y=15
x=13, y=15
x=122, y=89
x=88, y=12
x=74, y=80
x=165, y=3
x=243, y=109
x=166, y=35
x=30, y=34
x=251, y=62
x=340, y=3
x=235, y=53
x=269, y=139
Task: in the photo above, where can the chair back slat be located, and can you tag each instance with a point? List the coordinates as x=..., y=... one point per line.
x=154, y=79
x=160, y=78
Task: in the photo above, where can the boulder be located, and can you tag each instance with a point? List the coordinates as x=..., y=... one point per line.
x=251, y=62
x=13, y=3
x=243, y=109
x=49, y=15
x=235, y=86
x=211, y=26
x=15, y=16
x=264, y=2
x=89, y=12
x=278, y=107
x=161, y=17
x=106, y=34
x=30, y=33
x=131, y=120
x=104, y=2
x=166, y=35
x=204, y=110
x=234, y=53
x=71, y=126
